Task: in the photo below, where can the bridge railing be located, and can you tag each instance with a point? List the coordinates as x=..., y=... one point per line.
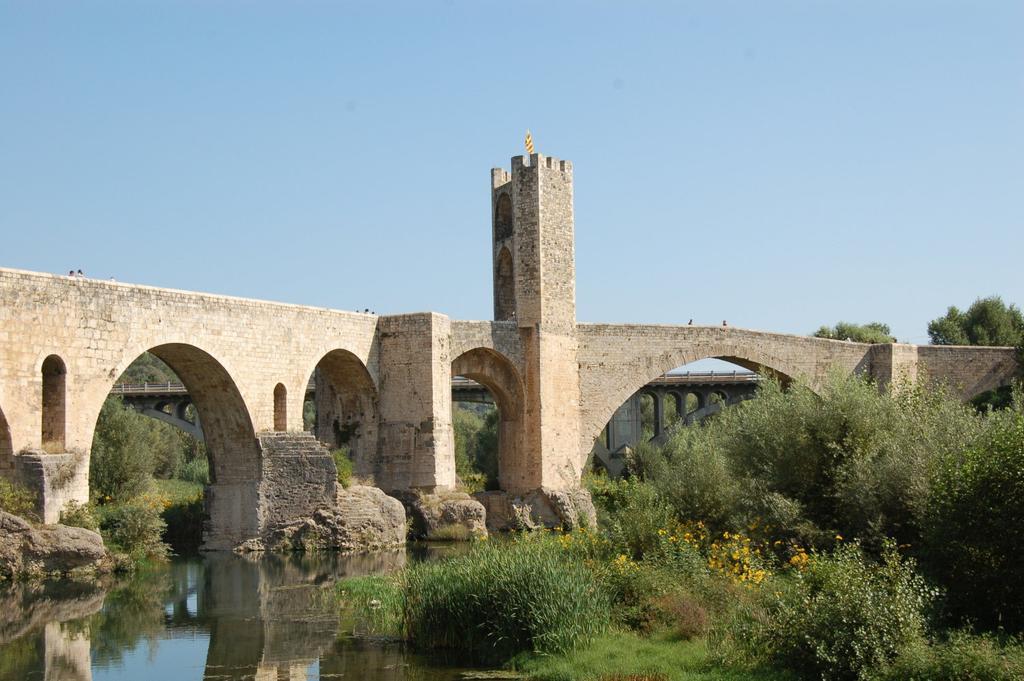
x=148, y=388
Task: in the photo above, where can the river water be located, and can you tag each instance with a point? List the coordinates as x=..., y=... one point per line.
x=219, y=617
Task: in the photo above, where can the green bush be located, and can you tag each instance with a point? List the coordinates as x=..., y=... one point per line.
x=501, y=600
x=840, y=618
x=134, y=528
x=976, y=525
x=80, y=515
x=633, y=514
x=195, y=470
x=847, y=460
x=17, y=500
x=344, y=465
x=476, y=448
x=962, y=657
x=122, y=461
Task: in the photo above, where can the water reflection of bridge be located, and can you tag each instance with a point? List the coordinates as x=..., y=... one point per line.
x=271, y=619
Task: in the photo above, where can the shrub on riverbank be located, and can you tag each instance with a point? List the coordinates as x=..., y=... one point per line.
x=497, y=601
x=134, y=529
x=17, y=500
x=501, y=600
x=840, y=616
x=848, y=460
x=975, y=525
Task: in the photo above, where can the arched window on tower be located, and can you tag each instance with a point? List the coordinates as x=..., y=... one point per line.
x=503, y=218
x=504, y=287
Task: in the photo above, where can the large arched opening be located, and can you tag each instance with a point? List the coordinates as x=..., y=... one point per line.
x=193, y=439
x=54, y=412
x=341, y=411
x=679, y=396
x=498, y=452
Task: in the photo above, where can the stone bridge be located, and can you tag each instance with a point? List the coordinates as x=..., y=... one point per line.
x=64, y=341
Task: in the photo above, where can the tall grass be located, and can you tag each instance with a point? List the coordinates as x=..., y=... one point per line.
x=486, y=606
x=498, y=601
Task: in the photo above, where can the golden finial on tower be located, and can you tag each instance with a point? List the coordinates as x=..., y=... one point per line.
x=529, y=142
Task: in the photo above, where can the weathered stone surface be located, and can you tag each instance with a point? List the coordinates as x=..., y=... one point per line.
x=48, y=550
x=30, y=606
x=568, y=509
x=364, y=519
x=445, y=516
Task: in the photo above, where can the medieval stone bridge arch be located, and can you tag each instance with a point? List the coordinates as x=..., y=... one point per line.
x=498, y=374
x=235, y=455
x=617, y=360
x=347, y=407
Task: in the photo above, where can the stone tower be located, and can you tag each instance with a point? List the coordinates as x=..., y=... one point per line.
x=534, y=260
x=535, y=286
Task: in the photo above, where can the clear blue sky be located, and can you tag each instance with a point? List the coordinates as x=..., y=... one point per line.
x=780, y=165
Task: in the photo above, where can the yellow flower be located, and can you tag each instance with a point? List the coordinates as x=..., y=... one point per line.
x=839, y=537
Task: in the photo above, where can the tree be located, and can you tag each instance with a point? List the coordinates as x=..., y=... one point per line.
x=872, y=332
x=988, y=321
x=122, y=461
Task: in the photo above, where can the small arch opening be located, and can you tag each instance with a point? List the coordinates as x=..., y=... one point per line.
x=280, y=408
x=54, y=404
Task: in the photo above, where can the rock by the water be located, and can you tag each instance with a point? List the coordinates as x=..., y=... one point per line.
x=446, y=516
x=364, y=519
x=49, y=550
x=568, y=509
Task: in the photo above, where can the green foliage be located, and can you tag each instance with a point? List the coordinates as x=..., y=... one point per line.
x=476, y=447
x=122, y=461
x=148, y=368
x=184, y=513
x=627, y=657
x=963, y=657
x=975, y=525
x=343, y=463
x=17, y=500
x=195, y=471
x=501, y=600
x=634, y=516
x=80, y=515
x=872, y=332
x=841, y=618
x=988, y=321
x=849, y=461
x=374, y=605
x=134, y=528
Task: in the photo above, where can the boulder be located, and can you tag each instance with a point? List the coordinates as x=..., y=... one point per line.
x=49, y=550
x=363, y=519
x=446, y=516
x=568, y=509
